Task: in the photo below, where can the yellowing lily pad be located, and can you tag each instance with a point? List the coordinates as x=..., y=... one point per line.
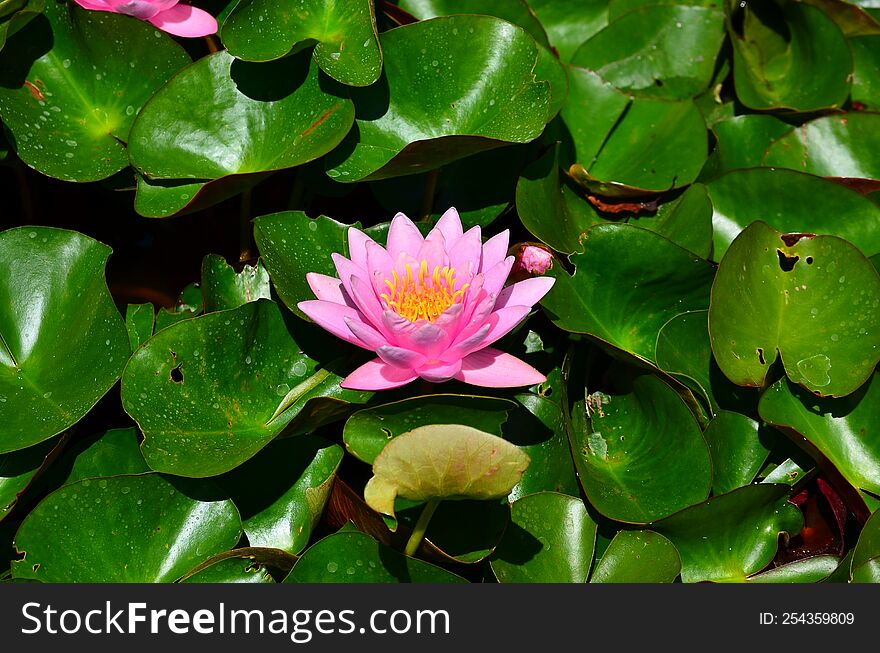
x=444, y=461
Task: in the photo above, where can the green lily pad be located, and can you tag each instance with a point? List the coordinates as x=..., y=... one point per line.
x=73, y=82
x=397, y=133
x=640, y=455
x=840, y=428
x=232, y=569
x=788, y=472
x=292, y=245
x=354, y=557
x=638, y=557
x=161, y=198
x=15, y=14
x=549, y=208
x=368, y=431
x=210, y=392
x=189, y=305
x=568, y=23
x=790, y=56
x=868, y=545
x=658, y=50
x=731, y=536
x=113, y=453
x=224, y=288
x=480, y=187
x=808, y=570
x=866, y=73
x=850, y=18
x=62, y=342
x=550, y=540
x=282, y=491
x=741, y=141
x=627, y=284
x=444, y=461
x=627, y=146
x=833, y=146
x=868, y=572
x=347, y=49
x=686, y=221
x=18, y=469
x=814, y=302
x=297, y=122
x=739, y=450
x=791, y=202
x=86, y=532
x=538, y=428
x=139, y=321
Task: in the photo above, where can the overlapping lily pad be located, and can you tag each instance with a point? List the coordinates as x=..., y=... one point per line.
x=549, y=540
x=139, y=322
x=732, y=536
x=113, y=453
x=568, y=23
x=15, y=14
x=224, y=288
x=86, y=531
x=210, y=392
x=231, y=569
x=368, y=431
x=347, y=49
x=354, y=557
x=416, y=118
x=769, y=287
x=264, y=117
x=739, y=450
x=627, y=284
x=686, y=221
x=840, y=428
x=638, y=557
x=63, y=344
x=18, y=469
x=806, y=570
x=73, y=82
x=866, y=75
x=640, y=455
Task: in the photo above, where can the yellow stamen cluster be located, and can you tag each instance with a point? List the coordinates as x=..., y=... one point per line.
x=424, y=297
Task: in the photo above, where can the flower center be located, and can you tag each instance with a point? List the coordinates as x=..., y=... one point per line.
x=424, y=297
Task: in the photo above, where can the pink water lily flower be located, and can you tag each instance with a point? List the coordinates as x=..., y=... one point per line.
x=167, y=15
x=428, y=306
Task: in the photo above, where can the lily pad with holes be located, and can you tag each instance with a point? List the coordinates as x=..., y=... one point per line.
x=63, y=344
x=85, y=532
x=638, y=557
x=347, y=43
x=791, y=202
x=369, y=430
x=72, y=84
x=627, y=284
x=550, y=539
x=841, y=428
x=415, y=118
x=731, y=536
x=210, y=392
x=335, y=559
x=282, y=491
x=224, y=288
x=292, y=245
x=640, y=455
x=813, y=301
x=444, y=461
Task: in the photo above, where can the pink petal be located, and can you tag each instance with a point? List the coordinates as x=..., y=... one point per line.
x=327, y=288
x=396, y=327
x=428, y=338
x=434, y=251
x=346, y=270
x=365, y=333
x=494, y=278
x=400, y=357
x=491, y=368
x=357, y=247
x=185, y=20
x=465, y=256
x=379, y=267
x=377, y=375
x=403, y=236
x=95, y=5
x=525, y=293
x=449, y=319
x=439, y=372
x=466, y=346
x=449, y=225
x=367, y=302
x=502, y=322
x=480, y=313
x=331, y=317
x=494, y=250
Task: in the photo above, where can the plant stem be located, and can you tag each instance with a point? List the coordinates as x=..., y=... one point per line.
x=418, y=534
x=245, y=229
x=428, y=196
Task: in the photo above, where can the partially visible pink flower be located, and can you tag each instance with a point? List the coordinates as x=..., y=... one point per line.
x=168, y=15
x=533, y=259
x=428, y=306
